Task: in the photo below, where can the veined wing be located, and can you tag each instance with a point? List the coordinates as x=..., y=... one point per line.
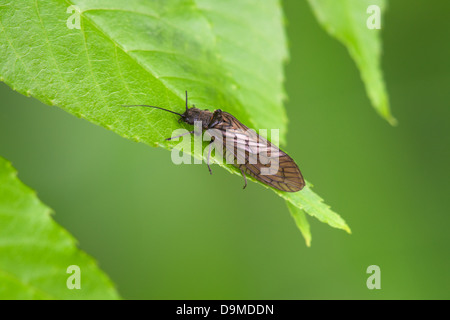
x=258, y=157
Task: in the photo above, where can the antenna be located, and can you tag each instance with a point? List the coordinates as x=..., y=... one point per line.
x=186, y=101
x=144, y=105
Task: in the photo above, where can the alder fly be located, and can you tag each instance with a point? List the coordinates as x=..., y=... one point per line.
x=251, y=153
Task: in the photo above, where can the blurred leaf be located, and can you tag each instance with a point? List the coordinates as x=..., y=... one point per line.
x=301, y=222
x=35, y=251
x=346, y=20
x=227, y=55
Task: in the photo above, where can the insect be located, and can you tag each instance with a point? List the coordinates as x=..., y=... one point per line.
x=251, y=153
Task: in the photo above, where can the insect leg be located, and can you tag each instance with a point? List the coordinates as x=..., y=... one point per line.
x=245, y=178
x=190, y=132
x=209, y=154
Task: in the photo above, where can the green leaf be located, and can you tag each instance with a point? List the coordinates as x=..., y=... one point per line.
x=311, y=203
x=346, y=20
x=226, y=54
x=301, y=221
x=35, y=251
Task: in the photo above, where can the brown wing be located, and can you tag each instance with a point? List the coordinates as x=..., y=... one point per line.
x=258, y=157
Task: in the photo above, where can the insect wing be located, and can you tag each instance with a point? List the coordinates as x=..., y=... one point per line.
x=258, y=157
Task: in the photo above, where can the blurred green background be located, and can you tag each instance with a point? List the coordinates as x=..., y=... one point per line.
x=216, y=241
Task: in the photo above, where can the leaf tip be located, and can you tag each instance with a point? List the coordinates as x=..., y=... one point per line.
x=347, y=229
x=308, y=242
x=392, y=121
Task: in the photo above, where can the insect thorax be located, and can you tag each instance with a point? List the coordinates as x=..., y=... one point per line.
x=193, y=114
